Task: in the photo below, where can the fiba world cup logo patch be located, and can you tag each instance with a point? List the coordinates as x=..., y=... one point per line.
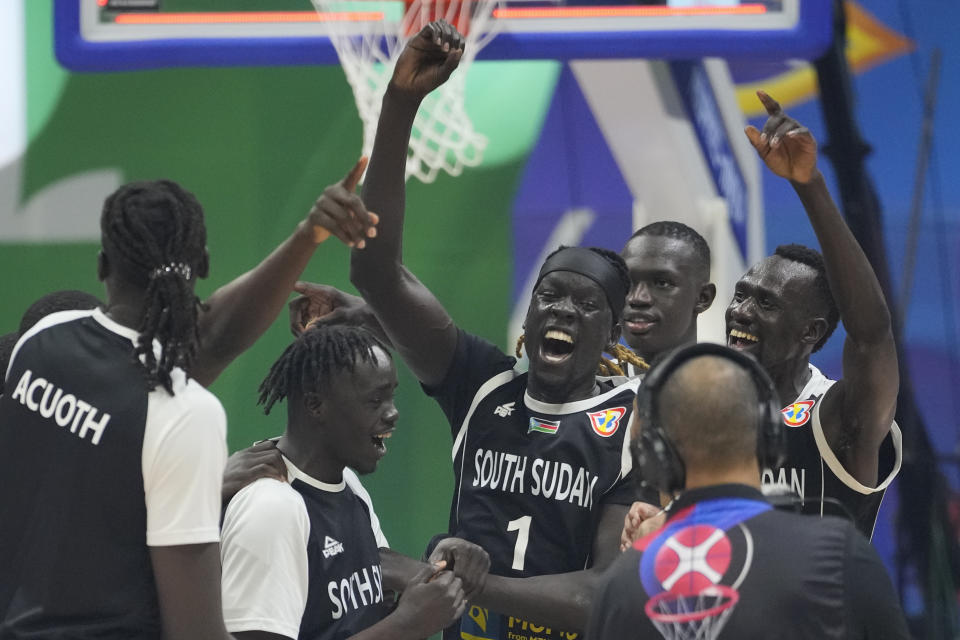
x=605, y=423
x=798, y=413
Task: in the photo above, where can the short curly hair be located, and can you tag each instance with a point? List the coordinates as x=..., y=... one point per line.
x=813, y=259
x=677, y=231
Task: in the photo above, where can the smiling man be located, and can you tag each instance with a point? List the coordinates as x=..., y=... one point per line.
x=540, y=458
x=843, y=446
x=301, y=559
x=670, y=286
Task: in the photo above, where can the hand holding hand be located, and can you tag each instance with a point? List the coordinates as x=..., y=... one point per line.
x=787, y=147
x=341, y=212
x=468, y=562
x=431, y=601
x=427, y=60
x=642, y=519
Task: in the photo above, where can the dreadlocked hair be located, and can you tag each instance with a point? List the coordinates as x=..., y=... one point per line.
x=677, y=231
x=605, y=367
x=154, y=237
x=626, y=355
x=813, y=259
x=307, y=364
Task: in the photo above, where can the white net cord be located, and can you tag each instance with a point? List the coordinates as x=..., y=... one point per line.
x=443, y=137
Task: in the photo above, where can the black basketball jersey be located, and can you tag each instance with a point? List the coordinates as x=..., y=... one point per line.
x=73, y=557
x=346, y=587
x=530, y=477
x=278, y=537
x=726, y=565
x=813, y=471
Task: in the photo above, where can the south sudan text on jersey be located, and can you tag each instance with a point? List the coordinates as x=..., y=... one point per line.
x=531, y=478
x=532, y=498
x=515, y=473
x=531, y=481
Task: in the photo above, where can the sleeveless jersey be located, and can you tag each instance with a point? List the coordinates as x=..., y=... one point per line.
x=530, y=477
x=84, y=448
x=300, y=560
x=813, y=471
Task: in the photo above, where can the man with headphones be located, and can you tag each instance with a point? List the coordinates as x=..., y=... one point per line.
x=726, y=563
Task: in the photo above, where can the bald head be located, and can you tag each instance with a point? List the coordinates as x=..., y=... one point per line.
x=710, y=410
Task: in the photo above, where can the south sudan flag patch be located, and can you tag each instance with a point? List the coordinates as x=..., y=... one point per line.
x=543, y=426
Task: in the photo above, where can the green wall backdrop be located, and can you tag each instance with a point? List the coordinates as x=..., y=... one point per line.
x=257, y=146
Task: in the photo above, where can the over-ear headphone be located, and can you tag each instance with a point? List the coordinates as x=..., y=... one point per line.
x=655, y=457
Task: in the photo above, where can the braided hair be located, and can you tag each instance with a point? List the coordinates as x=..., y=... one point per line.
x=319, y=352
x=813, y=259
x=154, y=237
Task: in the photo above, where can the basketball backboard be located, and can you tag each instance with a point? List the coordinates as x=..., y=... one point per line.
x=96, y=35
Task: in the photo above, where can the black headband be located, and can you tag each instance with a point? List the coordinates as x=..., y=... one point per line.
x=592, y=265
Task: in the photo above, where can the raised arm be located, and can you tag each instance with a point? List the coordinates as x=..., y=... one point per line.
x=419, y=327
x=231, y=323
x=857, y=411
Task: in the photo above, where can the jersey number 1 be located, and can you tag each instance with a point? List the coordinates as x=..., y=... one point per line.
x=522, y=527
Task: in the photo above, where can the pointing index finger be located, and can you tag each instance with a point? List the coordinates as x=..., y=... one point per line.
x=771, y=105
x=353, y=178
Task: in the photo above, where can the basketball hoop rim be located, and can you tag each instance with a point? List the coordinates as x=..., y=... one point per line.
x=693, y=616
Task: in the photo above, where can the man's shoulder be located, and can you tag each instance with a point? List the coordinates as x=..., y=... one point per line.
x=471, y=346
x=189, y=399
x=266, y=503
x=791, y=531
x=817, y=385
x=619, y=383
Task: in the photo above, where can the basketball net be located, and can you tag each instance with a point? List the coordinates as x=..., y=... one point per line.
x=443, y=136
x=698, y=616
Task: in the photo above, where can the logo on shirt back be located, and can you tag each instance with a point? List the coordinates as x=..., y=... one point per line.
x=605, y=423
x=798, y=413
x=331, y=547
x=692, y=559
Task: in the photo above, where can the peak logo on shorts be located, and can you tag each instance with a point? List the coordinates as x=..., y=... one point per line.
x=798, y=413
x=605, y=423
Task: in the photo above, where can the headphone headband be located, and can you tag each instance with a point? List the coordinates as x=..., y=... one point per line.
x=658, y=462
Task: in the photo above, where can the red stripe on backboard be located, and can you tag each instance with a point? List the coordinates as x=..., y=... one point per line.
x=625, y=12
x=243, y=17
